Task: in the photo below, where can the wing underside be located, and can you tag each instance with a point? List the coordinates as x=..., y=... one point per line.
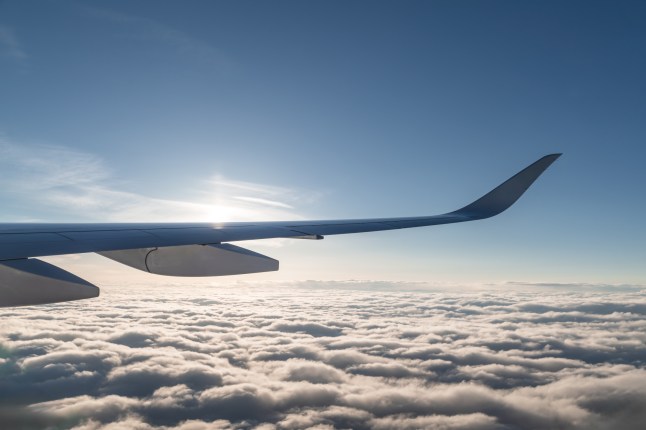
x=193, y=249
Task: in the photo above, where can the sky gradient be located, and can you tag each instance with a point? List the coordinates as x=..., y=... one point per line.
x=255, y=110
x=156, y=111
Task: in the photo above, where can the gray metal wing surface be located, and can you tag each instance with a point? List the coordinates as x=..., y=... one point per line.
x=193, y=249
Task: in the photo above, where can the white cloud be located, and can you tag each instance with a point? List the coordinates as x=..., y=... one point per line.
x=289, y=357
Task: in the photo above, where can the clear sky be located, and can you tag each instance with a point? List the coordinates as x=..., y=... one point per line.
x=238, y=110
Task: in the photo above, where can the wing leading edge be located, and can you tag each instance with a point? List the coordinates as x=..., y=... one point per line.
x=176, y=248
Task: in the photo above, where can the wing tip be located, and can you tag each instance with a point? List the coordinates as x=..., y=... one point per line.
x=506, y=194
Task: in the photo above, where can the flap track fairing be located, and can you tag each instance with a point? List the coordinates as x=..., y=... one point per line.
x=29, y=281
x=195, y=260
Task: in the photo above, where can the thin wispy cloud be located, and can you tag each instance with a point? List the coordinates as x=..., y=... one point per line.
x=245, y=189
x=33, y=167
x=79, y=185
x=10, y=47
x=147, y=29
x=265, y=202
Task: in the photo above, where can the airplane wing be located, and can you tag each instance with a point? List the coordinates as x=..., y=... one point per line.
x=192, y=249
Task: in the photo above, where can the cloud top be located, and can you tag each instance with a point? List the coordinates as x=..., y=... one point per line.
x=293, y=357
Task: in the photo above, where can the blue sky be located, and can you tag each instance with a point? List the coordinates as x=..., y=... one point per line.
x=270, y=110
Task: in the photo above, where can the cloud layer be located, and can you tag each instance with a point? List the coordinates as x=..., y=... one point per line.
x=295, y=357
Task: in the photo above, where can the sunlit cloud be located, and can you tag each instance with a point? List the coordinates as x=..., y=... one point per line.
x=264, y=202
x=79, y=185
x=269, y=356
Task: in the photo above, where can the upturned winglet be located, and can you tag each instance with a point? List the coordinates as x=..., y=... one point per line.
x=506, y=194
